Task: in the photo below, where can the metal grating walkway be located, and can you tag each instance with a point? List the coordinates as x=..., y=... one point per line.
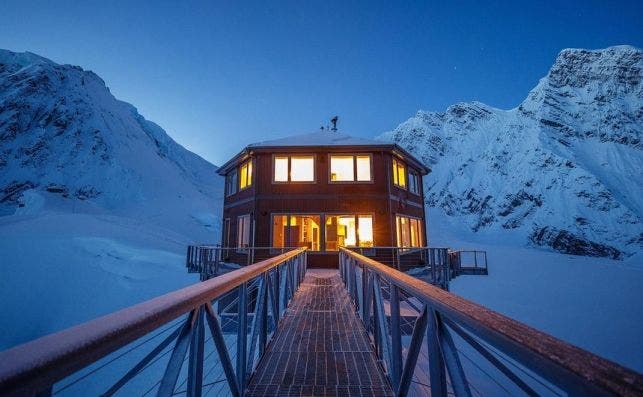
x=320, y=348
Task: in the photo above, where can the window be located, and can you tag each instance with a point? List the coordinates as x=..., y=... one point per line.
x=350, y=168
x=414, y=182
x=399, y=174
x=296, y=231
x=243, y=231
x=294, y=169
x=231, y=183
x=245, y=175
x=348, y=231
x=226, y=233
x=408, y=231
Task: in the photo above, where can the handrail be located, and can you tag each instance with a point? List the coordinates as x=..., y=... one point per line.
x=560, y=362
x=38, y=364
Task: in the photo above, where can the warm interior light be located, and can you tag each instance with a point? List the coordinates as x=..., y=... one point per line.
x=365, y=228
x=341, y=168
x=363, y=168
x=281, y=169
x=302, y=169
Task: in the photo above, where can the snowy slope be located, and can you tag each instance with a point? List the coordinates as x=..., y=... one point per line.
x=562, y=170
x=62, y=130
x=97, y=204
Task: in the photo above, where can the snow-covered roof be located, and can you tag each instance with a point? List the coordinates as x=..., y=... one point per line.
x=319, y=138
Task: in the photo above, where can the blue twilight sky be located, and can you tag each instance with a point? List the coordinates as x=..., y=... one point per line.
x=219, y=75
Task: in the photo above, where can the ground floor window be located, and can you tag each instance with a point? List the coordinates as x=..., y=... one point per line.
x=243, y=231
x=408, y=231
x=296, y=231
x=348, y=231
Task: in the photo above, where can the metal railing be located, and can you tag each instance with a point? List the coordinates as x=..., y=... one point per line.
x=241, y=309
x=481, y=351
x=435, y=263
x=209, y=259
x=469, y=261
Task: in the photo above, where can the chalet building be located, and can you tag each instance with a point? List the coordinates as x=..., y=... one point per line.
x=323, y=191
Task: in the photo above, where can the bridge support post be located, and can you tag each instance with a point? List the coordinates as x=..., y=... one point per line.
x=436, y=362
x=396, y=338
x=242, y=339
x=195, y=365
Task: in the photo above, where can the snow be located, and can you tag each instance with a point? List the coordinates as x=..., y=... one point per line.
x=319, y=138
x=593, y=303
x=568, y=160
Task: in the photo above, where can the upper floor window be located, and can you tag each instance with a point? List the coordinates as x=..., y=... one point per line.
x=245, y=175
x=300, y=168
x=399, y=174
x=414, y=182
x=231, y=183
x=350, y=168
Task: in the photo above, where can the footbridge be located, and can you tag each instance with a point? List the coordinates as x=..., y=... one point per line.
x=276, y=327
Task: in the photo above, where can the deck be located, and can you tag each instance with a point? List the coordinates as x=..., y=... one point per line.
x=320, y=348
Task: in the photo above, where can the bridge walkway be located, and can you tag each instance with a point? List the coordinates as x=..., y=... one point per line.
x=320, y=348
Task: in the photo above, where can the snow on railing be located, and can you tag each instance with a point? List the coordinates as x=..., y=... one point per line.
x=241, y=309
x=423, y=333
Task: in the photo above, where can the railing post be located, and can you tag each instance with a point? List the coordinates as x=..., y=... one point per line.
x=436, y=363
x=396, y=338
x=242, y=339
x=195, y=365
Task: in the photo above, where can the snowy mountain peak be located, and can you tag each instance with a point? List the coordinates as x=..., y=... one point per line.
x=561, y=170
x=64, y=136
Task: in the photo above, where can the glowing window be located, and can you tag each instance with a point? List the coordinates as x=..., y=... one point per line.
x=245, y=175
x=281, y=169
x=299, y=231
x=342, y=168
x=349, y=168
x=399, y=174
x=363, y=165
x=294, y=169
x=302, y=169
x=409, y=231
x=348, y=231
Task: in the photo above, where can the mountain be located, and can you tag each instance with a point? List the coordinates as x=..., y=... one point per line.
x=65, y=139
x=562, y=170
x=97, y=204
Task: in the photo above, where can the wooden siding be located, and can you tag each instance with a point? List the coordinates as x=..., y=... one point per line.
x=378, y=198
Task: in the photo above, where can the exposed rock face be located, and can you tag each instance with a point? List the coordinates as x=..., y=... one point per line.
x=63, y=134
x=564, y=168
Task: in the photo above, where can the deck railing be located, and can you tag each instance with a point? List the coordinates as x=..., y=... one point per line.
x=483, y=352
x=208, y=260
x=241, y=309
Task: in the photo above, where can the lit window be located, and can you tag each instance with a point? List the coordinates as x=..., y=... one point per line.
x=243, y=231
x=399, y=174
x=350, y=168
x=348, y=231
x=231, y=183
x=245, y=177
x=414, y=183
x=363, y=168
x=302, y=169
x=299, y=231
x=342, y=168
x=281, y=169
x=294, y=169
x=409, y=231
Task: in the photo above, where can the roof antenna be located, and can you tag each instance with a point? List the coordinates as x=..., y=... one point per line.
x=334, y=122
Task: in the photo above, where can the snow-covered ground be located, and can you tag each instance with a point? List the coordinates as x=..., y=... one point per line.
x=593, y=303
x=60, y=269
